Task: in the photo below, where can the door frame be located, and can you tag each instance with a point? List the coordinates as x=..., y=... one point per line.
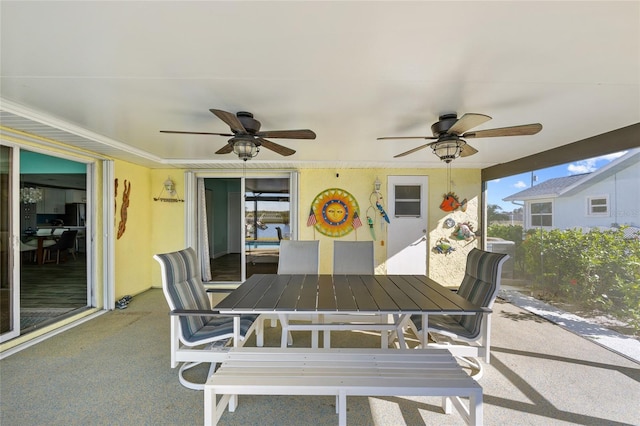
x=419, y=240
x=191, y=203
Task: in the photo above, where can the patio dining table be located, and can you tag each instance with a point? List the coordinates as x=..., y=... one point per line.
x=398, y=296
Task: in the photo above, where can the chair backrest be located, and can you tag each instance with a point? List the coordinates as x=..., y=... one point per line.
x=353, y=257
x=480, y=285
x=183, y=288
x=67, y=240
x=299, y=257
x=58, y=231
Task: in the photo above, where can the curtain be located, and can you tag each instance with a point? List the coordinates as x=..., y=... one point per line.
x=203, y=233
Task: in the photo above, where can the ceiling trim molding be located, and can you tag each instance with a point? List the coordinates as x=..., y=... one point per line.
x=606, y=143
x=59, y=124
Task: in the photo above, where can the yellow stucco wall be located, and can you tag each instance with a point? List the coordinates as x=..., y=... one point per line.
x=447, y=269
x=167, y=219
x=133, y=250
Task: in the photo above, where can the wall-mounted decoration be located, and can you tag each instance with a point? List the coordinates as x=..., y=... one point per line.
x=335, y=213
x=452, y=203
x=443, y=246
x=376, y=207
x=464, y=231
x=449, y=223
x=169, y=192
x=122, y=226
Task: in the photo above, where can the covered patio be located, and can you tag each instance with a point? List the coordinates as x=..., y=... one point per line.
x=115, y=370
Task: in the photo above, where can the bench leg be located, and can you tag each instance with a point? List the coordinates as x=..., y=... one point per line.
x=447, y=405
x=213, y=411
x=342, y=408
x=475, y=409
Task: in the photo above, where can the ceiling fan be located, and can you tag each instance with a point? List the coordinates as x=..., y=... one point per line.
x=246, y=137
x=450, y=131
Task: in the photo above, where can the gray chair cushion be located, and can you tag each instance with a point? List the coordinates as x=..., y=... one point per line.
x=480, y=286
x=186, y=292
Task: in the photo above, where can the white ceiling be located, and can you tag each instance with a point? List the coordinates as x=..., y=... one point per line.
x=109, y=75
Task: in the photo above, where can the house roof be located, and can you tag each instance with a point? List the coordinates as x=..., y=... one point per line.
x=567, y=185
x=547, y=189
x=107, y=76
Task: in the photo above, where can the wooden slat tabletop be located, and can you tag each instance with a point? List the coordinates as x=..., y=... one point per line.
x=388, y=294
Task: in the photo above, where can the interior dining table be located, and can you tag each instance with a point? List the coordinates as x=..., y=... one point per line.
x=389, y=296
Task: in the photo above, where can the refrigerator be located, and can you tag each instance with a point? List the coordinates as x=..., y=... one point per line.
x=75, y=214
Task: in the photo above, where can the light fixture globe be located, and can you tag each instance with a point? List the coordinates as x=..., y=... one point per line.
x=244, y=148
x=448, y=149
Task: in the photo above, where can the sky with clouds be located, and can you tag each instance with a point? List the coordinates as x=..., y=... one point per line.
x=501, y=188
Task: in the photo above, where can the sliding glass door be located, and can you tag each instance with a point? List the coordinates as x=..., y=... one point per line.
x=45, y=246
x=9, y=278
x=245, y=217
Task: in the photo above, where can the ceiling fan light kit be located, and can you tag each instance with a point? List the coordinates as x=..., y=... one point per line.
x=448, y=150
x=245, y=149
x=246, y=135
x=450, y=131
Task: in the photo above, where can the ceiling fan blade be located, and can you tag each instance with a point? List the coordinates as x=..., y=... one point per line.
x=467, y=150
x=468, y=121
x=406, y=137
x=411, y=151
x=288, y=134
x=195, y=133
x=225, y=149
x=231, y=120
x=524, y=130
x=282, y=150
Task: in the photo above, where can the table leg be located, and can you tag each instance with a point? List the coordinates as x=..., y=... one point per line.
x=425, y=333
x=40, y=251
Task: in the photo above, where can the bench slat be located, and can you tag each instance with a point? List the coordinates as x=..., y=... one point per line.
x=343, y=372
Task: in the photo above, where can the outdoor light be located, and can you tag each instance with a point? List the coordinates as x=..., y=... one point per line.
x=377, y=184
x=170, y=187
x=448, y=150
x=244, y=148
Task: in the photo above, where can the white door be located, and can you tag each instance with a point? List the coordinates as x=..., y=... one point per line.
x=407, y=230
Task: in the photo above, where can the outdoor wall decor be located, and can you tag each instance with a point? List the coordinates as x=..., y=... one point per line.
x=376, y=204
x=452, y=203
x=334, y=213
x=122, y=226
x=443, y=246
x=464, y=231
x=168, y=194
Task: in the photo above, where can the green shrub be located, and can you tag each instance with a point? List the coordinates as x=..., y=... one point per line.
x=597, y=270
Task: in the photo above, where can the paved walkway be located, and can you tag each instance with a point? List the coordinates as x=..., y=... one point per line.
x=619, y=343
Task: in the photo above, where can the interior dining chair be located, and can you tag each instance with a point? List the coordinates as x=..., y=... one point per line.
x=28, y=249
x=468, y=336
x=198, y=334
x=65, y=244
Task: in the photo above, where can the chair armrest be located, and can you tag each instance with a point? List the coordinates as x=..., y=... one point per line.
x=193, y=313
x=222, y=288
x=486, y=310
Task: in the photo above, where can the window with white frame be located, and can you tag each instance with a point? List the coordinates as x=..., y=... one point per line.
x=541, y=214
x=598, y=206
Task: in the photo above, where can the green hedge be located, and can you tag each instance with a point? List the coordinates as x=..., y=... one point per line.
x=597, y=270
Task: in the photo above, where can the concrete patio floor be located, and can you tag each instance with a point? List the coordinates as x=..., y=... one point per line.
x=115, y=370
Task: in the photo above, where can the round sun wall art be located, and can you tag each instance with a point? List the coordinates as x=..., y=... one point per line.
x=334, y=209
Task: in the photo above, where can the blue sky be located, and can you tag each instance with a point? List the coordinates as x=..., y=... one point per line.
x=501, y=188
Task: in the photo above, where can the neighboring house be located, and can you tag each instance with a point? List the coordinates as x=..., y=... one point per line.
x=608, y=197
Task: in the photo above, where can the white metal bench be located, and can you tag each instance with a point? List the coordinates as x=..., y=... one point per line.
x=342, y=372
